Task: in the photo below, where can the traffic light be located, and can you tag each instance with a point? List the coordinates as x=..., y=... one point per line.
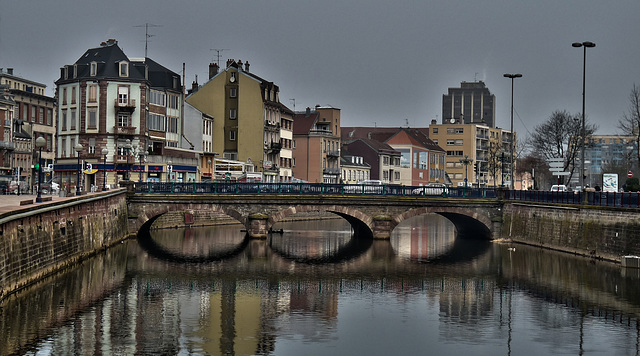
x=475, y=167
x=37, y=166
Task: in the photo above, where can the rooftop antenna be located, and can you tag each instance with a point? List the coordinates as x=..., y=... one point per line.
x=218, y=52
x=294, y=104
x=475, y=77
x=147, y=35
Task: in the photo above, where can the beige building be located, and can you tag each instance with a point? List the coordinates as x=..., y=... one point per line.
x=33, y=117
x=476, y=152
x=246, y=118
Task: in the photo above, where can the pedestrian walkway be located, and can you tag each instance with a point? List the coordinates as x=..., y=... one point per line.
x=11, y=202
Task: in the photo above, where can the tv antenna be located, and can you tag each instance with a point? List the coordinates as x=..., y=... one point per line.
x=218, y=52
x=293, y=100
x=147, y=35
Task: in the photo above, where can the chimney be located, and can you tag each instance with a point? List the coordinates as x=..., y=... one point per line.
x=10, y=71
x=111, y=42
x=308, y=112
x=229, y=62
x=240, y=64
x=433, y=122
x=194, y=85
x=213, y=70
x=246, y=66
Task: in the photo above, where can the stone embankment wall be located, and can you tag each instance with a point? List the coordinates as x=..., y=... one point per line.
x=598, y=232
x=43, y=239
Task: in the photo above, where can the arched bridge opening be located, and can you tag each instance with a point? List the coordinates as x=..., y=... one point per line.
x=469, y=223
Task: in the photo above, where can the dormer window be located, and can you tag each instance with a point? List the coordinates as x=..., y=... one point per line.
x=124, y=69
x=94, y=69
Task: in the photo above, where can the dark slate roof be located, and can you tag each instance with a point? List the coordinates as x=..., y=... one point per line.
x=345, y=159
x=378, y=146
x=161, y=77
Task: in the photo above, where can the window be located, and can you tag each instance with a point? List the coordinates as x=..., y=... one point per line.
x=233, y=92
x=73, y=95
x=451, y=142
x=64, y=120
x=64, y=96
x=123, y=120
x=94, y=69
x=124, y=69
x=92, y=145
x=92, y=118
x=385, y=160
x=49, y=116
x=123, y=95
x=172, y=124
x=397, y=175
x=233, y=114
x=73, y=119
x=157, y=98
x=232, y=135
x=435, y=130
x=33, y=114
x=93, y=93
x=63, y=147
x=172, y=101
x=156, y=122
x=41, y=115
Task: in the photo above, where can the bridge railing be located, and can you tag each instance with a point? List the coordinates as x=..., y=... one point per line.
x=611, y=199
x=312, y=188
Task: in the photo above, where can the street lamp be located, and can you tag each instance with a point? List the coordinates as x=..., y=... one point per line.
x=209, y=163
x=141, y=158
x=466, y=161
x=40, y=142
x=169, y=170
x=127, y=146
x=78, y=148
x=105, y=152
x=585, y=45
x=512, y=144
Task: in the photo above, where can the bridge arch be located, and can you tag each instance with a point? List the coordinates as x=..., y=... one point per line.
x=149, y=214
x=468, y=222
x=361, y=223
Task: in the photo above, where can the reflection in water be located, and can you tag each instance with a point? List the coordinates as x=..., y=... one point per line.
x=385, y=300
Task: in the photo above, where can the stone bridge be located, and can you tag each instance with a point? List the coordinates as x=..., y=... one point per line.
x=372, y=216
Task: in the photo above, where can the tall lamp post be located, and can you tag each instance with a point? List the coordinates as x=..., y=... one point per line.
x=512, y=144
x=169, y=170
x=127, y=147
x=209, y=163
x=40, y=142
x=78, y=148
x=141, y=167
x=583, y=133
x=466, y=161
x=105, y=152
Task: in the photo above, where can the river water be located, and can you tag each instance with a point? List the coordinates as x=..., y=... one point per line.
x=314, y=289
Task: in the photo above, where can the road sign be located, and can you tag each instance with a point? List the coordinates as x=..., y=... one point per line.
x=561, y=173
x=630, y=174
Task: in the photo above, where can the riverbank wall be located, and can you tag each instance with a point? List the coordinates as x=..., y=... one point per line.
x=597, y=232
x=42, y=239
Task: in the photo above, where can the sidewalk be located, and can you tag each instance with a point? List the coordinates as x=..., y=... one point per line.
x=12, y=202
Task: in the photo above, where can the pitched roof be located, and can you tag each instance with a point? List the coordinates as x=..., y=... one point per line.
x=303, y=122
x=420, y=136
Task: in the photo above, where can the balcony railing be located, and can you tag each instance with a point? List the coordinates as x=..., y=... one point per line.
x=125, y=130
x=125, y=105
x=333, y=153
x=332, y=171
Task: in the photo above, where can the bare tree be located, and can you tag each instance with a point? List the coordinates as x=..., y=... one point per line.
x=495, y=155
x=560, y=137
x=629, y=124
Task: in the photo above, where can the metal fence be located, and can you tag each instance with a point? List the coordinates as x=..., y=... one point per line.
x=312, y=188
x=611, y=199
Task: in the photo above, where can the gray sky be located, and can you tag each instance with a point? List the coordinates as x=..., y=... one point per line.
x=383, y=62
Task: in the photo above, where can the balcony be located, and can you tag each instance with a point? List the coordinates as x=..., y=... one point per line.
x=274, y=147
x=331, y=171
x=125, y=105
x=333, y=153
x=7, y=145
x=124, y=130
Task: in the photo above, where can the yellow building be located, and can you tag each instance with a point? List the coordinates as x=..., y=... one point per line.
x=246, y=116
x=479, y=153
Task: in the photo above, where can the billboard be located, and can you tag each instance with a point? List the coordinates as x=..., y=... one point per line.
x=610, y=182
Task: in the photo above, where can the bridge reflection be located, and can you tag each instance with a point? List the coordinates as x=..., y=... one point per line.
x=429, y=239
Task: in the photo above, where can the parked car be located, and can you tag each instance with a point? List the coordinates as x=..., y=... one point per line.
x=438, y=189
x=370, y=186
x=558, y=188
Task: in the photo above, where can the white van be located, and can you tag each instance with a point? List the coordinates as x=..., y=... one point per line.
x=365, y=186
x=558, y=188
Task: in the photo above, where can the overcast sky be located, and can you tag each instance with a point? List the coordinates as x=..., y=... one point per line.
x=382, y=62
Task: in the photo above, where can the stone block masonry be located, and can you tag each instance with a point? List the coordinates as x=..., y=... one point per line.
x=598, y=232
x=41, y=239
